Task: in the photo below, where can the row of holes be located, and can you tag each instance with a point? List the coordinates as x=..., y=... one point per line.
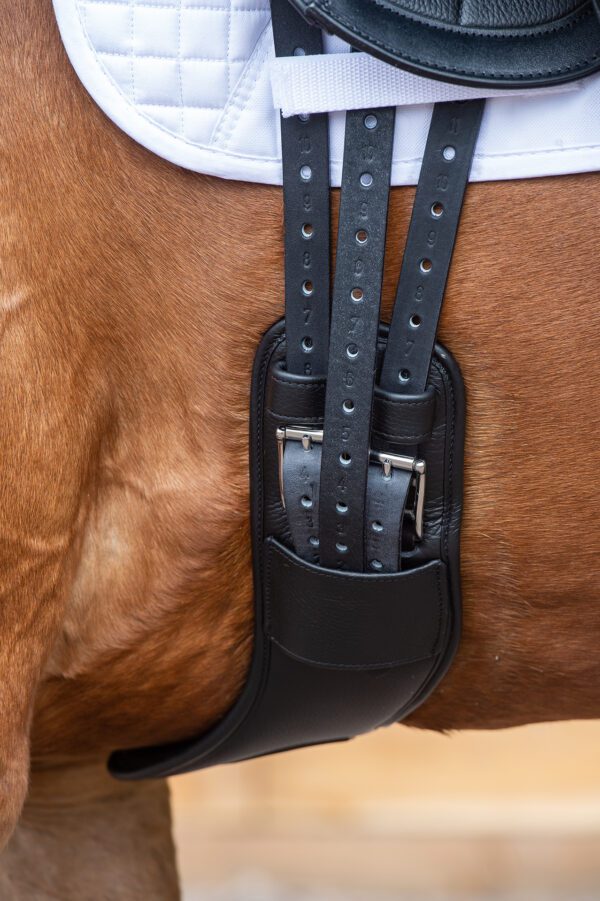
x=357, y=295
x=352, y=350
x=307, y=230
x=366, y=179
x=342, y=508
x=426, y=265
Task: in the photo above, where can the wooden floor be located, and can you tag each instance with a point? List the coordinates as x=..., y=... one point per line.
x=400, y=815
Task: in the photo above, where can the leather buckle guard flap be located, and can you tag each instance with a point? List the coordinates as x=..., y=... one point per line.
x=356, y=560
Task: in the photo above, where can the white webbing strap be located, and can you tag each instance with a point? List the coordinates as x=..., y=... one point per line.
x=345, y=81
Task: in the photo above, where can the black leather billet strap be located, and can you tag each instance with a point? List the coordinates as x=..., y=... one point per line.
x=502, y=44
x=430, y=244
x=356, y=301
x=387, y=498
x=322, y=676
x=301, y=477
x=305, y=161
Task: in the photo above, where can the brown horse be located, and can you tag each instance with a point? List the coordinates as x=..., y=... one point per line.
x=126, y=597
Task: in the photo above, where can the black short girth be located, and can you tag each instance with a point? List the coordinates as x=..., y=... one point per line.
x=356, y=449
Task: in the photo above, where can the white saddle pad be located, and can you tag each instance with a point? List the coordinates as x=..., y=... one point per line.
x=190, y=80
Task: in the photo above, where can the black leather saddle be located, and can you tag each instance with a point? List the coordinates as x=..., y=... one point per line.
x=515, y=43
x=356, y=426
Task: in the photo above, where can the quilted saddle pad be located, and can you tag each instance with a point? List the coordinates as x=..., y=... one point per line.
x=190, y=81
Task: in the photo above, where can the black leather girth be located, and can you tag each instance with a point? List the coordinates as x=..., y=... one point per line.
x=356, y=460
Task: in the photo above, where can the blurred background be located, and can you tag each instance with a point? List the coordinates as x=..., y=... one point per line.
x=402, y=815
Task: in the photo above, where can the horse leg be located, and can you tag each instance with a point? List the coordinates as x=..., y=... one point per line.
x=48, y=457
x=85, y=837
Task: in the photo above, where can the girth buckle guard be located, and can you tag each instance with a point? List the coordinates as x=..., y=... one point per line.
x=357, y=435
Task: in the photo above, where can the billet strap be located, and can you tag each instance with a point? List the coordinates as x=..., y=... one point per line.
x=352, y=346
x=300, y=489
x=344, y=510
x=387, y=496
x=305, y=161
x=430, y=244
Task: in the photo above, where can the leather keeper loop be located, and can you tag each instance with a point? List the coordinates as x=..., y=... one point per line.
x=404, y=419
x=295, y=397
x=354, y=620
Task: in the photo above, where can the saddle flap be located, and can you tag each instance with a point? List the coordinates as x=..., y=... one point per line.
x=477, y=42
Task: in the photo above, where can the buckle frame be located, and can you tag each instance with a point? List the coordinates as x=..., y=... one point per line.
x=388, y=461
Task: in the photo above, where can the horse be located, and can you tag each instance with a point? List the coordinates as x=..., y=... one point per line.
x=126, y=576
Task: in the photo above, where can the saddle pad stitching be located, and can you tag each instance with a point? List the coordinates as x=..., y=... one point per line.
x=239, y=100
x=131, y=5
x=228, y=48
x=81, y=7
x=464, y=71
x=185, y=59
x=510, y=153
x=176, y=106
x=171, y=6
x=179, y=76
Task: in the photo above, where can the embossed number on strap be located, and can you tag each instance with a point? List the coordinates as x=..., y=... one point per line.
x=429, y=245
x=305, y=160
x=354, y=325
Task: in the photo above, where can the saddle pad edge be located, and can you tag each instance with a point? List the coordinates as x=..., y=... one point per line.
x=117, y=108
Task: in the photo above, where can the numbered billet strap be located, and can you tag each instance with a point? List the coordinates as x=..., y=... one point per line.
x=430, y=244
x=387, y=496
x=305, y=162
x=299, y=461
x=353, y=337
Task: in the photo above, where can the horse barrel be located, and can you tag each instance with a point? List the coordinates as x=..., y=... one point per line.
x=357, y=428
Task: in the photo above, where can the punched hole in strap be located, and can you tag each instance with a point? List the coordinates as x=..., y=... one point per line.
x=388, y=462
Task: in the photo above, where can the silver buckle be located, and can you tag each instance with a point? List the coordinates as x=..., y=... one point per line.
x=308, y=437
